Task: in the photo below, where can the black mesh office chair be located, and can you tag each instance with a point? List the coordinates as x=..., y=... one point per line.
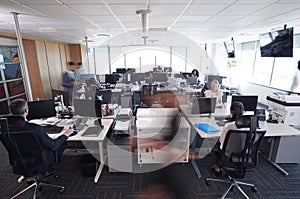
x=239, y=153
x=26, y=156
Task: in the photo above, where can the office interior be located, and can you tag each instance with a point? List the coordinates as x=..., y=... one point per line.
x=163, y=40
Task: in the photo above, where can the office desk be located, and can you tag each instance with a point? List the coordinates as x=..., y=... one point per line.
x=100, y=139
x=175, y=150
x=281, y=143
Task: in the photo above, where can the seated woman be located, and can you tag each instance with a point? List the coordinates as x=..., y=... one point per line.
x=215, y=91
x=236, y=109
x=195, y=73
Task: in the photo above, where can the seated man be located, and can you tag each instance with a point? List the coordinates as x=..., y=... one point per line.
x=19, y=107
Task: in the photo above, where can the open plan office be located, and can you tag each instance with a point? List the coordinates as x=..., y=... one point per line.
x=144, y=96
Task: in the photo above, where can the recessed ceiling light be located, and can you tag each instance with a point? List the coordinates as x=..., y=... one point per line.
x=103, y=35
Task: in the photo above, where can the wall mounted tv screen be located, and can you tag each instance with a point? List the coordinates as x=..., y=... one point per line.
x=277, y=44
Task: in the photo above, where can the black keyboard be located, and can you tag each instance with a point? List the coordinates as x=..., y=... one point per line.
x=52, y=129
x=92, y=131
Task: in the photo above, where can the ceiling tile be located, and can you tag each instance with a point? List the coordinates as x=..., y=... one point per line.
x=82, y=2
x=204, y=10
x=53, y=10
x=40, y=2
x=256, y=2
x=241, y=10
x=276, y=8
x=91, y=9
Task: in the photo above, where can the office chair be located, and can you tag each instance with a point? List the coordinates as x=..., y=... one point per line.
x=26, y=156
x=239, y=153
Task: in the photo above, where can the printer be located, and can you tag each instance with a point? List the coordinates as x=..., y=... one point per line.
x=284, y=108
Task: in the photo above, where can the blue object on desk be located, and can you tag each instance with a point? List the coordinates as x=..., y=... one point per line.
x=206, y=128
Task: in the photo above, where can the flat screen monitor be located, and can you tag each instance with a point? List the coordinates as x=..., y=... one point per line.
x=185, y=75
x=88, y=108
x=204, y=105
x=41, y=109
x=138, y=77
x=65, y=95
x=249, y=101
x=130, y=70
x=104, y=95
x=160, y=77
x=111, y=79
x=277, y=44
x=167, y=69
x=121, y=70
x=102, y=78
x=192, y=80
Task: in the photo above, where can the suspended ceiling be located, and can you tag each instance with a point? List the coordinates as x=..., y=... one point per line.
x=203, y=21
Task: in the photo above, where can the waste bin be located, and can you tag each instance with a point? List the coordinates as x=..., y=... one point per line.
x=88, y=165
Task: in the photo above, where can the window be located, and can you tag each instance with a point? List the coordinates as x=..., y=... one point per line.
x=11, y=80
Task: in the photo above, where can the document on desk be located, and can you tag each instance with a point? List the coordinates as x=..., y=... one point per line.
x=206, y=128
x=48, y=121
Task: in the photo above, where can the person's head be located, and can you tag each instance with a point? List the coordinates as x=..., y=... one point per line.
x=299, y=65
x=19, y=107
x=236, y=109
x=214, y=85
x=71, y=66
x=195, y=72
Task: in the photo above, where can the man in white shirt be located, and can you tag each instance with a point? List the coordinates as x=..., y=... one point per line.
x=296, y=79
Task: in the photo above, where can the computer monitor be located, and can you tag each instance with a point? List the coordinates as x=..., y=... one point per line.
x=137, y=77
x=130, y=70
x=88, y=108
x=192, y=80
x=204, y=105
x=104, y=95
x=249, y=101
x=168, y=69
x=65, y=95
x=111, y=79
x=41, y=109
x=185, y=75
x=121, y=70
x=160, y=77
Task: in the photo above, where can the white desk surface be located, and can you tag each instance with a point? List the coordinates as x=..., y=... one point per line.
x=272, y=129
x=279, y=129
x=106, y=123
x=156, y=112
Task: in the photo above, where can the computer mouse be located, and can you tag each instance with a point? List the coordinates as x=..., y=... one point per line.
x=73, y=133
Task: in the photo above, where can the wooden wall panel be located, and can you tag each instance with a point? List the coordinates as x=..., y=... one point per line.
x=75, y=52
x=54, y=65
x=33, y=69
x=43, y=65
x=63, y=57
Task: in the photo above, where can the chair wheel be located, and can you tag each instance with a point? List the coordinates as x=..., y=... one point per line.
x=254, y=189
x=62, y=190
x=57, y=175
